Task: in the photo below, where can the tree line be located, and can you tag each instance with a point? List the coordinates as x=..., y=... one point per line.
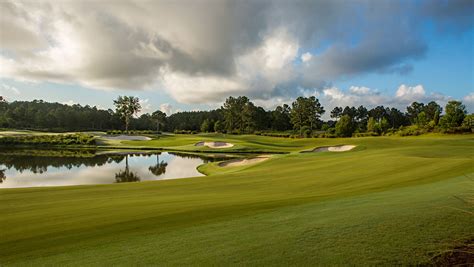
x=238, y=115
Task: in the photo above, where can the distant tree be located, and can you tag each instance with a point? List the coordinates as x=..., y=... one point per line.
x=362, y=113
x=336, y=113
x=436, y=118
x=262, y=119
x=431, y=109
x=413, y=110
x=344, y=127
x=238, y=113
x=371, y=125
x=351, y=112
x=159, y=118
x=468, y=121
x=305, y=111
x=205, y=126
x=455, y=113
x=361, y=117
x=218, y=127
x=422, y=119
x=281, y=118
x=378, y=113
x=396, y=118
x=384, y=125
x=127, y=107
x=248, y=118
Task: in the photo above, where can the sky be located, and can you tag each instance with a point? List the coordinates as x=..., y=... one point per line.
x=191, y=55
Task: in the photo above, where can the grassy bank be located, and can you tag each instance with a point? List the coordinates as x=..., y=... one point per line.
x=389, y=201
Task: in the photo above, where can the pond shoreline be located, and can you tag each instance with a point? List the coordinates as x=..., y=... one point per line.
x=40, y=167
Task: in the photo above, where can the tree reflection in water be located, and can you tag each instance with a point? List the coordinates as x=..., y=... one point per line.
x=159, y=168
x=126, y=175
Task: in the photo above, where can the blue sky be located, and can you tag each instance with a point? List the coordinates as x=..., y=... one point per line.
x=191, y=57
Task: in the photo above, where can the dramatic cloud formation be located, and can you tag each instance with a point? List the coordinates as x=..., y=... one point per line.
x=204, y=51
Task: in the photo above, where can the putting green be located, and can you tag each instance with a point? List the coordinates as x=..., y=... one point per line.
x=388, y=201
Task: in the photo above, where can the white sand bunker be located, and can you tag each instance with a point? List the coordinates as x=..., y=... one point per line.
x=243, y=162
x=333, y=148
x=128, y=137
x=215, y=144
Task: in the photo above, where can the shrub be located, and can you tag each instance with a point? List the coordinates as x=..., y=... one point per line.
x=306, y=131
x=182, y=131
x=365, y=134
x=55, y=140
x=412, y=130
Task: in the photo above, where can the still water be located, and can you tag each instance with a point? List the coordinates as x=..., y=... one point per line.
x=33, y=168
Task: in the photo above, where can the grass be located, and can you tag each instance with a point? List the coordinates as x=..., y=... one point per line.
x=390, y=201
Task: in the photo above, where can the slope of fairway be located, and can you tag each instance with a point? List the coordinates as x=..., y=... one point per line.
x=388, y=201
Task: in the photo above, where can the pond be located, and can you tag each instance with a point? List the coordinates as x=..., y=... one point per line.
x=33, y=168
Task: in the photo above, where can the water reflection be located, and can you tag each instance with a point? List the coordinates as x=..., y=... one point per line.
x=126, y=175
x=29, y=168
x=159, y=168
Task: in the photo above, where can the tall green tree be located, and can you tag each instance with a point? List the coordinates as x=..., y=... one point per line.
x=218, y=127
x=422, y=119
x=345, y=126
x=239, y=114
x=431, y=109
x=455, y=113
x=159, y=118
x=127, y=107
x=336, y=113
x=205, y=126
x=371, y=125
x=378, y=113
x=413, y=110
x=306, y=111
x=281, y=118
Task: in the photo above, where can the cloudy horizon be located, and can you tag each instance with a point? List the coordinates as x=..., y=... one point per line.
x=191, y=55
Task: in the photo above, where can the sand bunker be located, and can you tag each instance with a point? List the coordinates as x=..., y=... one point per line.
x=127, y=137
x=243, y=162
x=215, y=144
x=333, y=148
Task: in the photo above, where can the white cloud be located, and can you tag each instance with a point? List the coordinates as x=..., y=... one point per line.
x=306, y=57
x=166, y=108
x=410, y=93
x=359, y=90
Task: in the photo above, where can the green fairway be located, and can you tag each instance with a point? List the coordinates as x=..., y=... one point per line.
x=389, y=201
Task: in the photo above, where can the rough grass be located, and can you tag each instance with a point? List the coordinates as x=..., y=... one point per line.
x=389, y=201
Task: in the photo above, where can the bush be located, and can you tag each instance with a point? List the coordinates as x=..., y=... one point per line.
x=365, y=134
x=306, y=131
x=55, y=140
x=412, y=130
x=182, y=132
